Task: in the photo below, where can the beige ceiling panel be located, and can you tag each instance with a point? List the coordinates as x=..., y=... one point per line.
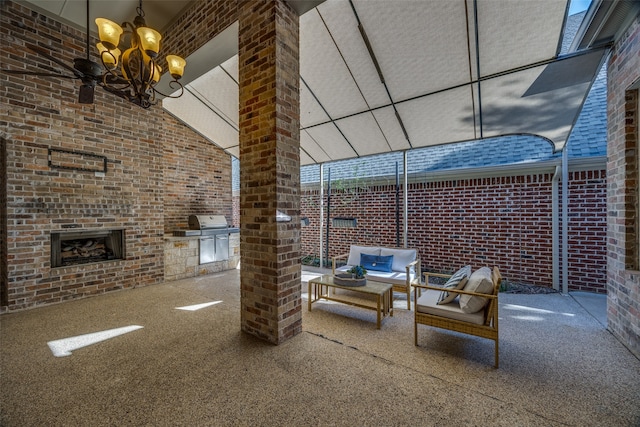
x=313, y=153
x=439, y=118
x=543, y=101
x=324, y=70
x=305, y=159
x=364, y=134
x=332, y=142
x=505, y=111
x=158, y=13
x=516, y=33
x=220, y=92
x=231, y=67
x=234, y=151
x=471, y=25
x=421, y=48
x=390, y=126
x=202, y=119
x=343, y=26
x=311, y=113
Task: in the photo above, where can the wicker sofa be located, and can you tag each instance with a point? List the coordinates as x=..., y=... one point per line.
x=404, y=269
x=454, y=315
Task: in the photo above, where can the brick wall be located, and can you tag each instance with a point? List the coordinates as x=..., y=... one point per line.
x=197, y=176
x=504, y=221
x=623, y=277
x=587, y=249
x=42, y=113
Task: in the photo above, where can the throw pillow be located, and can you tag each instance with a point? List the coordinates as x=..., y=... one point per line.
x=355, y=252
x=457, y=281
x=479, y=282
x=377, y=262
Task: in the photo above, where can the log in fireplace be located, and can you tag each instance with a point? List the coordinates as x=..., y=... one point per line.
x=83, y=247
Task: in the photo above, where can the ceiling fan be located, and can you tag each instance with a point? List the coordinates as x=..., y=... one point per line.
x=87, y=71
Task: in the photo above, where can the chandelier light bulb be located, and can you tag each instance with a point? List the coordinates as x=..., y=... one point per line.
x=149, y=40
x=176, y=66
x=109, y=33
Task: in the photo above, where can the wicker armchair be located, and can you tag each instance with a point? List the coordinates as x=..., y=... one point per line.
x=483, y=324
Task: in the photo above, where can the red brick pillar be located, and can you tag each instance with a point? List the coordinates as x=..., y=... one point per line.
x=269, y=170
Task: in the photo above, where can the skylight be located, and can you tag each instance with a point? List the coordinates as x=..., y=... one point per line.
x=578, y=6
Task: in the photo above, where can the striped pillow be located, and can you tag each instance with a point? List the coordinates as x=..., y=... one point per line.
x=457, y=281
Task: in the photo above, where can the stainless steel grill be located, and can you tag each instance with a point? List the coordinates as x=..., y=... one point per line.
x=214, y=236
x=204, y=225
x=207, y=223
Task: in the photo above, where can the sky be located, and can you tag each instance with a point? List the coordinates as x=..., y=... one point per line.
x=578, y=6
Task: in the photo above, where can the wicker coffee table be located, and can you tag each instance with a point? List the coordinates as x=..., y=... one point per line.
x=320, y=288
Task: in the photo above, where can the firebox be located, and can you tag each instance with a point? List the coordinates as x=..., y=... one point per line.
x=83, y=247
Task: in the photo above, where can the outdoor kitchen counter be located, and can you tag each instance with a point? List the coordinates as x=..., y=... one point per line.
x=181, y=256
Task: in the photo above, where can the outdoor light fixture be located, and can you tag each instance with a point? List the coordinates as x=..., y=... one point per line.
x=133, y=73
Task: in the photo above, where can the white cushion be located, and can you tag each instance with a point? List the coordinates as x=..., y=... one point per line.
x=401, y=257
x=355, y=251
x=479, y=282
x=428, y=303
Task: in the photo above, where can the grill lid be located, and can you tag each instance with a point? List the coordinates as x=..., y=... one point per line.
x=203, y=222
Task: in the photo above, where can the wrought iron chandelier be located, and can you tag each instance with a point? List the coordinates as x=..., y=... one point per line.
x=132, y=74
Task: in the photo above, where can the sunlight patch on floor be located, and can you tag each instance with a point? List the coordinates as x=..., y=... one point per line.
x=533, y=310
x=65, y=346
x=198, y=306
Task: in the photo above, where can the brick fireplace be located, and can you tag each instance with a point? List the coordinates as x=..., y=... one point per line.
x=85, y=247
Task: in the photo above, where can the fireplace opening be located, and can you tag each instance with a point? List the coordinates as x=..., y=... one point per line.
x=84, y=247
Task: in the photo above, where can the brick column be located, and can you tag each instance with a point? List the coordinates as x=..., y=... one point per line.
x=623, y=275
x=269, y=170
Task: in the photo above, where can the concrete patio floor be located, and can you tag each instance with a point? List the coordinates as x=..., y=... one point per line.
x=559, y=366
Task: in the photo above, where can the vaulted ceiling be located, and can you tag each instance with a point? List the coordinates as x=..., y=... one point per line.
x=380, y=76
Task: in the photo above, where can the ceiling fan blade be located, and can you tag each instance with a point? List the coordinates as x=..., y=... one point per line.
x=38, y=73
x=51, y=58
